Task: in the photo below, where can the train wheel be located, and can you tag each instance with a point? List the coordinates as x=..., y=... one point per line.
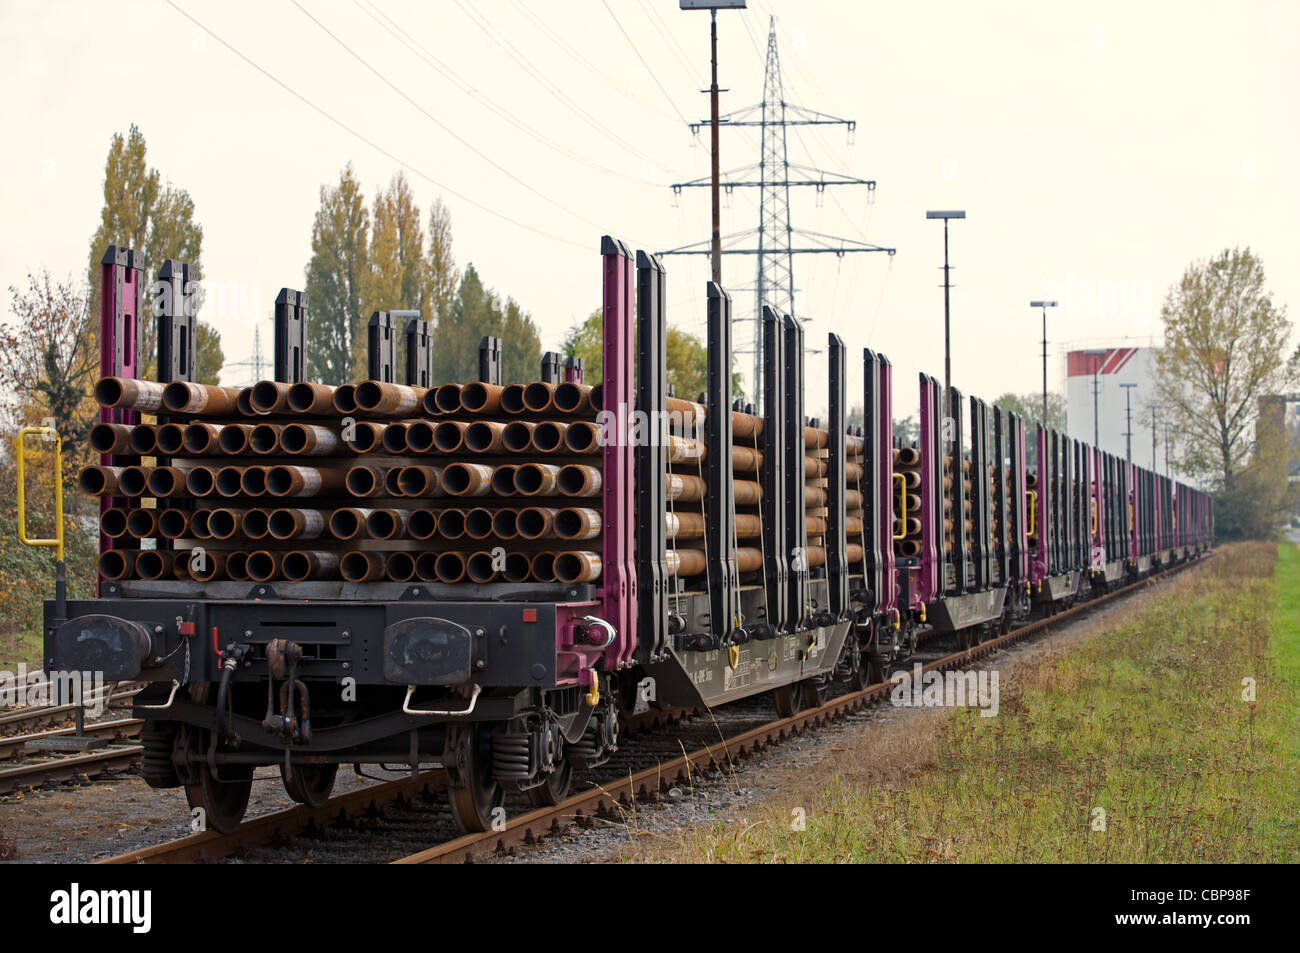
x=310, y=784
x=223, y=802
x=555, y=788
x=476, y=795
x=795, y=697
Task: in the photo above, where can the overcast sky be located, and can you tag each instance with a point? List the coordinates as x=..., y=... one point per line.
x=1097, y=149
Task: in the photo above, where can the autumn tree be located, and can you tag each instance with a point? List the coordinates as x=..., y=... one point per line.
x=208, y=356
x=475, y=313
x=1225, y=348
x=47, y=363
x=440, y=265
x=336, y=280
x=395, y=279
x=143, y=212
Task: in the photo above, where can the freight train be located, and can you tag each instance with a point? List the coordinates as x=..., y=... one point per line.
x=493, y=577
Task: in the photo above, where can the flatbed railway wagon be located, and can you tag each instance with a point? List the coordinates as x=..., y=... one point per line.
x=492, y=577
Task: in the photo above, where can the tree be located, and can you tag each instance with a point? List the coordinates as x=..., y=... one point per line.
x=457, y=334
x=336, y=276
x=396, y=276
x=1030, y=407
x=143, y=213
x=1224, y=349
x=521, y=346
x=440, y=266
x=208, y=356
x=46, y=360
x=584, y=341
x=687, y=357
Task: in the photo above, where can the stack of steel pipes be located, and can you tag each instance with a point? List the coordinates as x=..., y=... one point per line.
x=471, y=483
x=907, y=502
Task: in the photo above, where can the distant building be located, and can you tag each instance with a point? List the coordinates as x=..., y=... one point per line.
x=1108, y=369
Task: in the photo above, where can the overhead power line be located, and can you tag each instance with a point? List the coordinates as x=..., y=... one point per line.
x=371, y=143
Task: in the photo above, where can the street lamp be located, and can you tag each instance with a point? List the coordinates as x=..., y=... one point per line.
x=947, y=360
x=1044, y=305
x=713, y=6
x=1128, y=414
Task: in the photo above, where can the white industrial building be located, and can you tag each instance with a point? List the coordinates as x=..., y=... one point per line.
x=1105, y=370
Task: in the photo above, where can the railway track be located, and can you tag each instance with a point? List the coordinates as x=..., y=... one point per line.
x=610, y=796
x=57, y=768
x=25, y=720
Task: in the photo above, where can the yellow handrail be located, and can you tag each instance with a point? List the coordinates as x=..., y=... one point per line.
x=57, y=541
x=1033, y=511
x=902, y=506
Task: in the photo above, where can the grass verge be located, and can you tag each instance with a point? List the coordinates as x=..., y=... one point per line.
x=1143, y=746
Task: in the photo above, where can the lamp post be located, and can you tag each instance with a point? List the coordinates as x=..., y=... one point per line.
x=1128, y=415
x=1044, y=305
x=947, y=359
x=713, y=6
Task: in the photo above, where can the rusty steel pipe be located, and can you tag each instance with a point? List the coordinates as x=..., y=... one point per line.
x=449, y=436
x=451, y=524
x=252, y=482
x=244, y=402
x=167, y=481
x=582, y=437
x=290, y=523
x=444, y=399
x=223, y=523
x=536, y=479
x=813, y=496
x=420, y=481
x=907, y=457
x=366, y=437
x=99, y=481
x=425, y=567
x=305, y=481
x=503, y=479
x=505, y=523
x=233, y=439
x=484, y=436
x=449, y=567
x=309, y=398
x=206, y=566
x=301, y=564
x=539, y=396
x=478, y=397
x=110, y=438
x=348, y=522
x=153, y=564
x=481, y=568
x=201, y=438
x=535, y=522
x=577, y=479
x=597, y=398
x=269, y=397
x=186, y=397
x=173, y=523
x=364, y=480
x=144, y=439
x=392, y=482
x=548, y=437
x=577, y=567
x=265, y=439
x=142, y=523
x=345, y=399
x=512, y=399
x=169, y=439
x=467, y=479
x=518, y=567
x=543, y=567
x=115, y=564
x=422, y=524
x=255, y=524
x=394, y=438
x=127, y=393
x=133, y=481
x=387, y=523
x=310, y=440
x=399, y=567
x=359, y=566
x=577, y=522
x=683, y=525
x=237, y=566
x=572, y=398
x=418, y=436
x=201, y=481
x=112, y=522
x=388, y=400
x=263, y=565
x=686, y=562
x=518, y=436
x=478, y=523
